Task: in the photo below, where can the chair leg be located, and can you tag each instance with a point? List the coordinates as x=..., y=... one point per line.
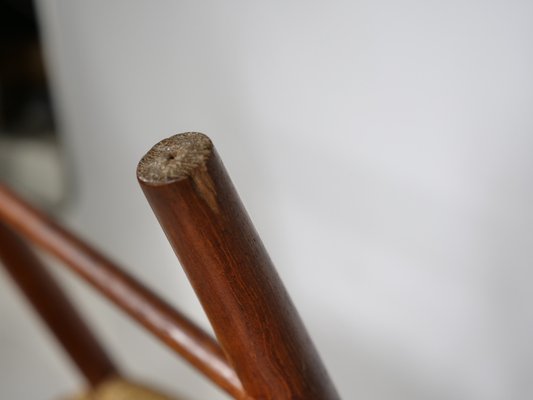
x=54, y=308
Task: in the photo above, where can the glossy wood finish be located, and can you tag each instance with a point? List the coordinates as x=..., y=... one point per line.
x=253, y=317
x=169, y=325
x=54, y=308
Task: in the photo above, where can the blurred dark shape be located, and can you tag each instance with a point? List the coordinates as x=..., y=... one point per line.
x=25, y=105
x=30, y=154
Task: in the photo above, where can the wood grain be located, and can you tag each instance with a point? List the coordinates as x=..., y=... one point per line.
x=253, y=317
x=164, y=321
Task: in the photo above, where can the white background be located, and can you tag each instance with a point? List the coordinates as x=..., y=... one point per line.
x=383, y=149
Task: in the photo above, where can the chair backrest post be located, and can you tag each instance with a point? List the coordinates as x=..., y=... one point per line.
x=251, y=313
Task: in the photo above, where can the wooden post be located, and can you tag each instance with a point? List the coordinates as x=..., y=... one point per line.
x=251, y=313
x=54, y=308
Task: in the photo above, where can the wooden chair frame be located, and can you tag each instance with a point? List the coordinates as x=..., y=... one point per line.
x=263, y=350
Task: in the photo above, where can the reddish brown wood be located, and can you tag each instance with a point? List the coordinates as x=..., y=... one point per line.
x=54, y=308
x=253, y=317
x=168, y=324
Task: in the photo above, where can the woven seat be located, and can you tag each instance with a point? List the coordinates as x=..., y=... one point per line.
x=120, y=389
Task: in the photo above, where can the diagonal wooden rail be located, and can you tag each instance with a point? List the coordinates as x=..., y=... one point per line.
x=165, y=322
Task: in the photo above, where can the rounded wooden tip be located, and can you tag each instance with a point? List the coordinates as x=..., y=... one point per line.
x=174, y=158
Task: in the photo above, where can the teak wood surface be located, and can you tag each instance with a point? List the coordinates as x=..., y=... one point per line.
x=251, y=313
